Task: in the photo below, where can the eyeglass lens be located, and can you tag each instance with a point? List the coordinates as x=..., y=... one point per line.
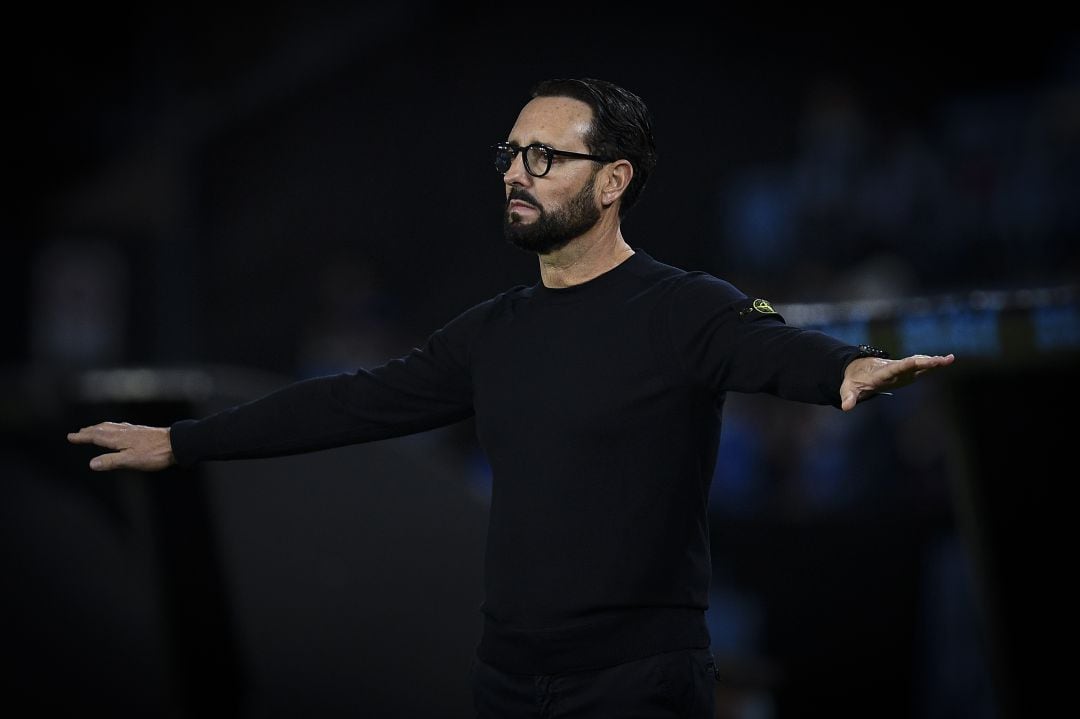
x=537, y=159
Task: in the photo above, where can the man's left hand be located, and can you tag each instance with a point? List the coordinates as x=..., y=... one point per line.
x=868, y=376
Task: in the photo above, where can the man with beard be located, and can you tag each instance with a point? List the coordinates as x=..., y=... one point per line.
x=597, y=394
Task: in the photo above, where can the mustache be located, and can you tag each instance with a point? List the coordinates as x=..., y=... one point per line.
x=517, y=193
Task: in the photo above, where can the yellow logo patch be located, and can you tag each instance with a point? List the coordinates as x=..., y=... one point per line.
x=764, y=307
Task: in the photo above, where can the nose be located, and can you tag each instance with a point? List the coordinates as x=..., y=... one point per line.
x=517, y=175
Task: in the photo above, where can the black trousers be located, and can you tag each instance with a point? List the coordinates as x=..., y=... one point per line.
x=663, y=686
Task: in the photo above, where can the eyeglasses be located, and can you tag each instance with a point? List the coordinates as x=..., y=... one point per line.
x=537, y=157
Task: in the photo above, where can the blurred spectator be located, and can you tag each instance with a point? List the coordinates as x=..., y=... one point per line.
x=981, y=194
x=829, y=168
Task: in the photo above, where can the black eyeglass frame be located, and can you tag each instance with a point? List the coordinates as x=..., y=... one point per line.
x=549, y=152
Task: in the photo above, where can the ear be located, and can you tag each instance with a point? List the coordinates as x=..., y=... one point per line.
x=616, y=179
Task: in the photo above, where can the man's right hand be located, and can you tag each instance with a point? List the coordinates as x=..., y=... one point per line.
x=134, y=446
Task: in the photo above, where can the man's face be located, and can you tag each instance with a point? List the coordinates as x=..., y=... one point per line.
x=543, y=214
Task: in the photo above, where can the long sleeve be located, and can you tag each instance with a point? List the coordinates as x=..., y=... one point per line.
x=729, y=342
x=429, y=387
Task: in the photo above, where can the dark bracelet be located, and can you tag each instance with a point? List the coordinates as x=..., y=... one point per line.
x=869, y=351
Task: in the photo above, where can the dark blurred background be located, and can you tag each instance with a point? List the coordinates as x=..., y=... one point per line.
x=209, y=203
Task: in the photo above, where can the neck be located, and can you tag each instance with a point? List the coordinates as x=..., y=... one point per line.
x=600, y=249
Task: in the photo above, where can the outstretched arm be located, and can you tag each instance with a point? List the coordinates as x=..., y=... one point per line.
x=134, y=446
x=867, y=376
x=429, y=387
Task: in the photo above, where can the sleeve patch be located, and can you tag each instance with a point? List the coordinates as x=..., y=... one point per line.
x=759, y=309
x=758, y=305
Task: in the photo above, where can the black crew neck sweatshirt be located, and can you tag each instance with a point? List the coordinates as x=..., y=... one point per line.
x=598, y=407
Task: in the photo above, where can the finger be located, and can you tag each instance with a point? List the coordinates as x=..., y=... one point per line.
x=89, y=435
x=106, y=462
x=924, y=364
x=934, y=360
x=914, y=365
x=923, y=370
x=80, y=437
x=889, y=372
x=848, y=402
x=110, y=435
x=86, y=434
x=108, y=441
x=915, y=361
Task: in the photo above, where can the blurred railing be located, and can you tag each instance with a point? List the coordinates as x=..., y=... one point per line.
x=1009, y=326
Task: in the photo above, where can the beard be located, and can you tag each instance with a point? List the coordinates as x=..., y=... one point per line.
x=551, y=231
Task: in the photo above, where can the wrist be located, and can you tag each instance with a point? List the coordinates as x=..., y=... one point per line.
x=170, y=458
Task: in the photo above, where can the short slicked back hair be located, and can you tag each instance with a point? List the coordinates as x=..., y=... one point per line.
x=621, y=127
